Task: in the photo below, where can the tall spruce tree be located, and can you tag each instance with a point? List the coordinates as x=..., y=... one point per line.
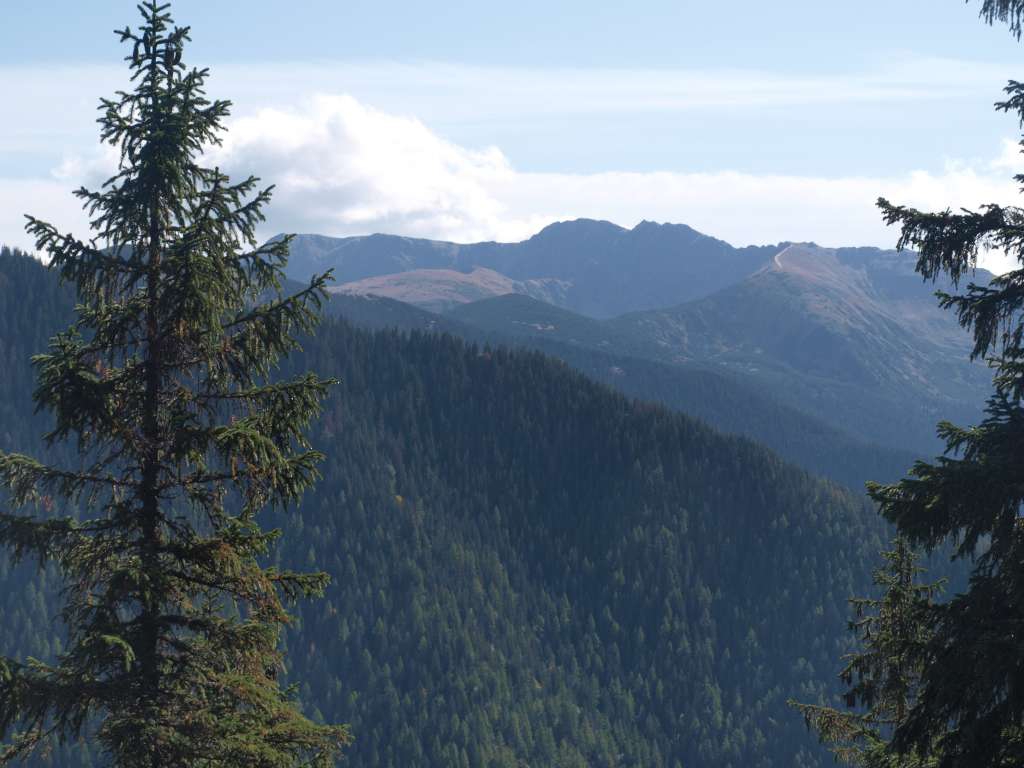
x=173, y=620
x=882, y=676
x=970, y=708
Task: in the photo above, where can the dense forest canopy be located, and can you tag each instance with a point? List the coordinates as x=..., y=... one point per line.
x=729, y=403
x=521, y=565
x=172, y=616
x=527, y=567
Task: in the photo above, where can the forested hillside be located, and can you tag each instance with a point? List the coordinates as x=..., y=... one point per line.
x=727, y=402
x=852, y=337
x=847, y=336
x=33, y=305
x=529, y=569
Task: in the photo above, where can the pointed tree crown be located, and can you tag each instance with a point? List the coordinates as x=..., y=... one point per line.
x=164, y=383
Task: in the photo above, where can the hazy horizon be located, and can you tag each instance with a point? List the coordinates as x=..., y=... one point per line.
x=468, y=124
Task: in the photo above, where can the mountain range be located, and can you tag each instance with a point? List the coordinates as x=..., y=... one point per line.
x=527, y=568
x=592, y=267
x=851, y=336
x=719, y=398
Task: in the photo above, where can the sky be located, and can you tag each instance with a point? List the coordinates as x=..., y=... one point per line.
x=754, y=122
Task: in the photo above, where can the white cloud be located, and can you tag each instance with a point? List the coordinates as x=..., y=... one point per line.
x=1010, y=158
x=342, y=167
x=45, y=199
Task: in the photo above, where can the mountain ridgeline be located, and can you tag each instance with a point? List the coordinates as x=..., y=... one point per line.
x=592, y=267
x=851, y=337
x=726, y=401
x=527, y=567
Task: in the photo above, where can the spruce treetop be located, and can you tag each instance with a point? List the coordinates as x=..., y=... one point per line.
x=164, y=384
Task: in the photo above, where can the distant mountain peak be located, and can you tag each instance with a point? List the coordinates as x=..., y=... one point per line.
x=592, y=266
x=646, y=225
x=576, y=227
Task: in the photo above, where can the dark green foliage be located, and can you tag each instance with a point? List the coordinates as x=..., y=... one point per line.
x=833, y=348
x=883, y=674
x=580, y=564
x=727, y=402
x=529, y=569
x=34, y=306
x=970, y=711
x=734, y=405
x=1010, y=12
x=27, y=296
x=170, y=656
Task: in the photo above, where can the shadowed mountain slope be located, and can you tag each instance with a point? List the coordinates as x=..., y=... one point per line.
x=727, y=402
x=845, y=335
x=528, y=568
x=850, y=336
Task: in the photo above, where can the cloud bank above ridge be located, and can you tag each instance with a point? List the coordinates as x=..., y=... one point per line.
x=343, y=167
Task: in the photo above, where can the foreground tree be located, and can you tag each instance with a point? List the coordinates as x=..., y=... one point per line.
x=173, y=622
x=970, y=708
x=883, y=675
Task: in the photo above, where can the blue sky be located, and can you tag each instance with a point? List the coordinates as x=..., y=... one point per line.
x=756, y=123
x=788, y=34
